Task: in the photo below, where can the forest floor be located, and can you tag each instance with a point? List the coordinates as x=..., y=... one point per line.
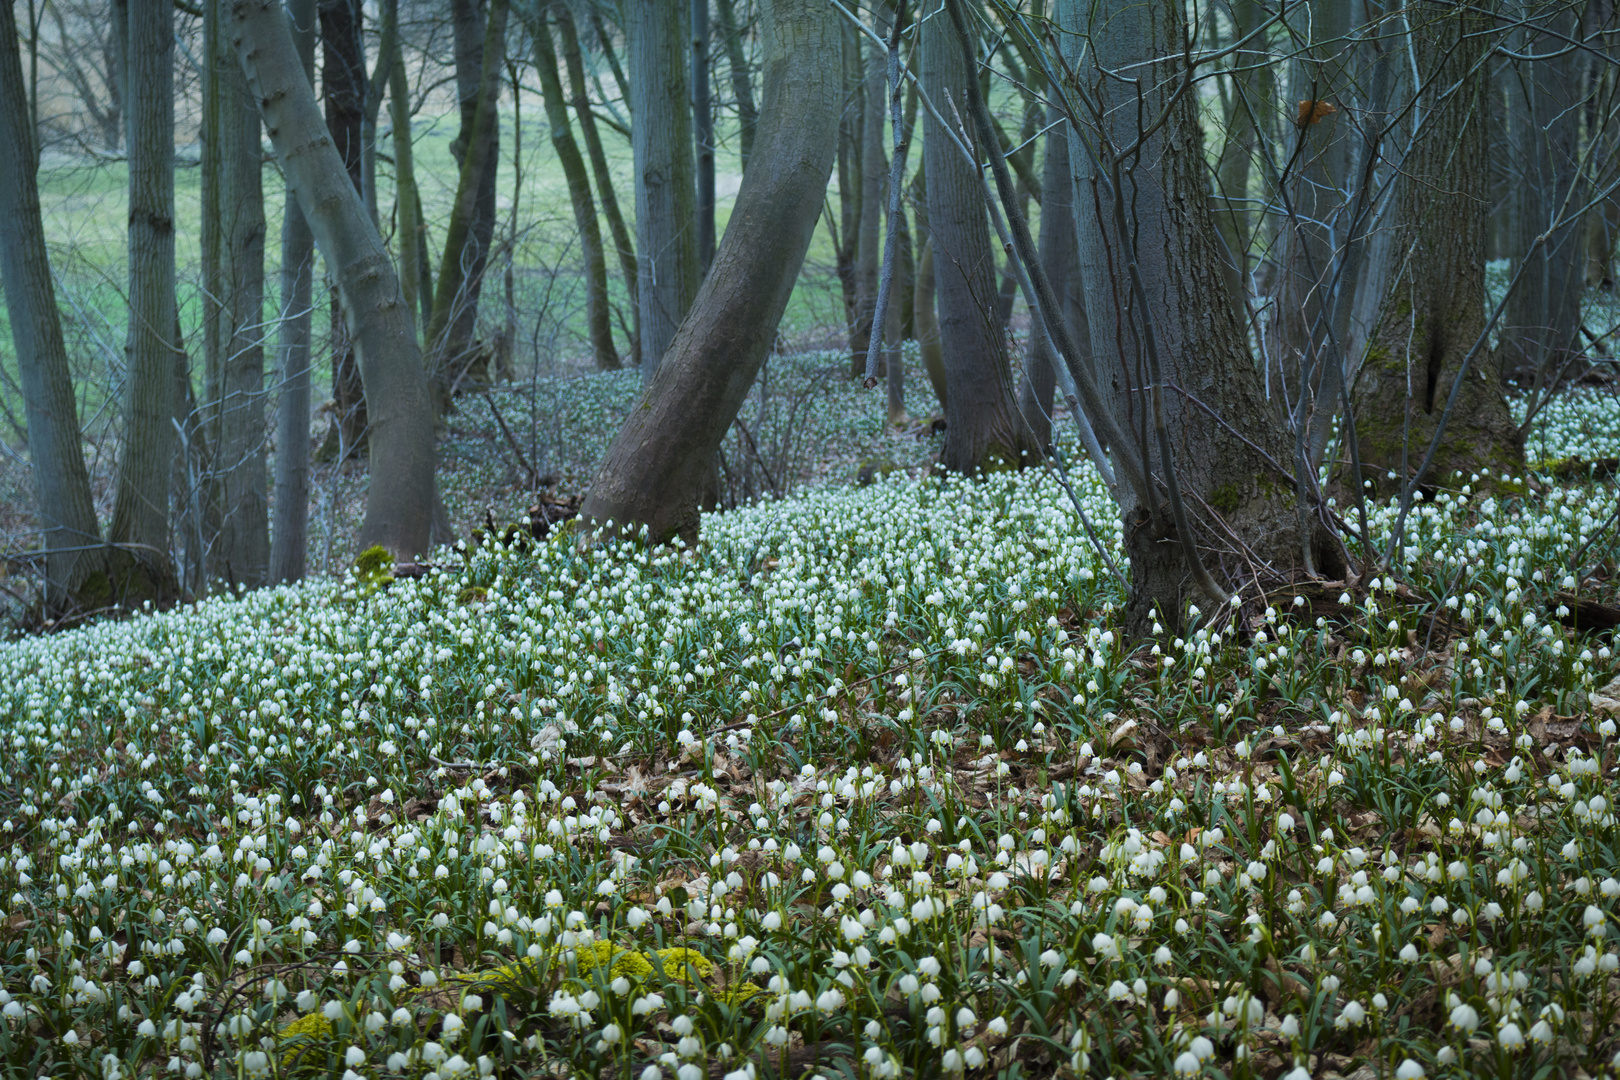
x=865, y=783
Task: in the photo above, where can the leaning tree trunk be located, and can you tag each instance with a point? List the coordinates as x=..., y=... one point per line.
x=661, y=140
x=597, y=320
x=140, y=523
x=1436, y=309
x=343, y=87
x=1541, y=323
x=1150, y=266
x=289, y=541
x=983, y=427
x=656, y=471
x=239, y=514
x=67, y=515
x=402, y=498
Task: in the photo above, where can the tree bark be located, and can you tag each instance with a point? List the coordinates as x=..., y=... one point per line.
x=402, y=498
x=289, y=541
x=1436, y=308
x=1164, y=338
x=984, y=429
x=703, y=127
x=580, y=98
x=238, y=516
x=655, y=472
x=874, y=175
x=343, y=85
x=140, y=523
x=1249, y=91
x=1541, y=323
x=579, y=194
x=742, y=82
x=69, y=534
x=472, y=215
x=661, y=140
x=407, y=200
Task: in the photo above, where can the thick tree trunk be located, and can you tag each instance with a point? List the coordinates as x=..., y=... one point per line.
x=343, y=85
x=1163, y=332
x=1541, y=324
x=984, y=429
x=140, y=524
x=580, y=98
x=472, y=214
x=742, y=82
x=238, y=517
x=661, y=139
x=579, y=194
x=402, y=498
x=289, y=541
x=703, y=127
x=655, y=472
x=1060, y=258
x=1436, y=309
x=66, y=512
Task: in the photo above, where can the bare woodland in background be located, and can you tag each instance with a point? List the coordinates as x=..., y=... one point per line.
x=1260, y=262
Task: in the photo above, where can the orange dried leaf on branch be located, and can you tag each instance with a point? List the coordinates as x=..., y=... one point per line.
x=1314, y=112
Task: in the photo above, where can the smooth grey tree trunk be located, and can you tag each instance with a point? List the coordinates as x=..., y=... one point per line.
x=1163, y=228
x=239, y=552
x=140, y=522
x=415, y=279
x=984, y=428
x=597, y=322
x=402, y=498
x=661, y=141
x=874, y=176
x=343, y=92
x=657, y=469
x=290, y=539
x=66, y=512
x=1248, y=94
x=1436, y=309
x=703, y=127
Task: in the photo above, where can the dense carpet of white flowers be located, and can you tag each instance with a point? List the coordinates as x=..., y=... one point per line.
x=867, y=783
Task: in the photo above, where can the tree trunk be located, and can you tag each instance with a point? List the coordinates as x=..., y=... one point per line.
x=742, y=83
x=1153, y=241
x=703, y=126
x=579, y=194
x=1318, y=185
x=1436, y=309
x=66, y=511
x=1541, y=323
x=140, y=523
x=1249, y=92
x=402, y=498
x=579, y=96
x=900, y=292
x=984, y=429
x=846, y=231
x=289, y=542
x=1060, y=257
x=661, y=139
x=874, y=175
x=655, y=471
x=450, y=336
x=407, y=200
x=343, y=84
x=238, y=516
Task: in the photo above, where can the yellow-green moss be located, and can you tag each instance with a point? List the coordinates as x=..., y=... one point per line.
x=1226, y=498
x=306, y=1034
